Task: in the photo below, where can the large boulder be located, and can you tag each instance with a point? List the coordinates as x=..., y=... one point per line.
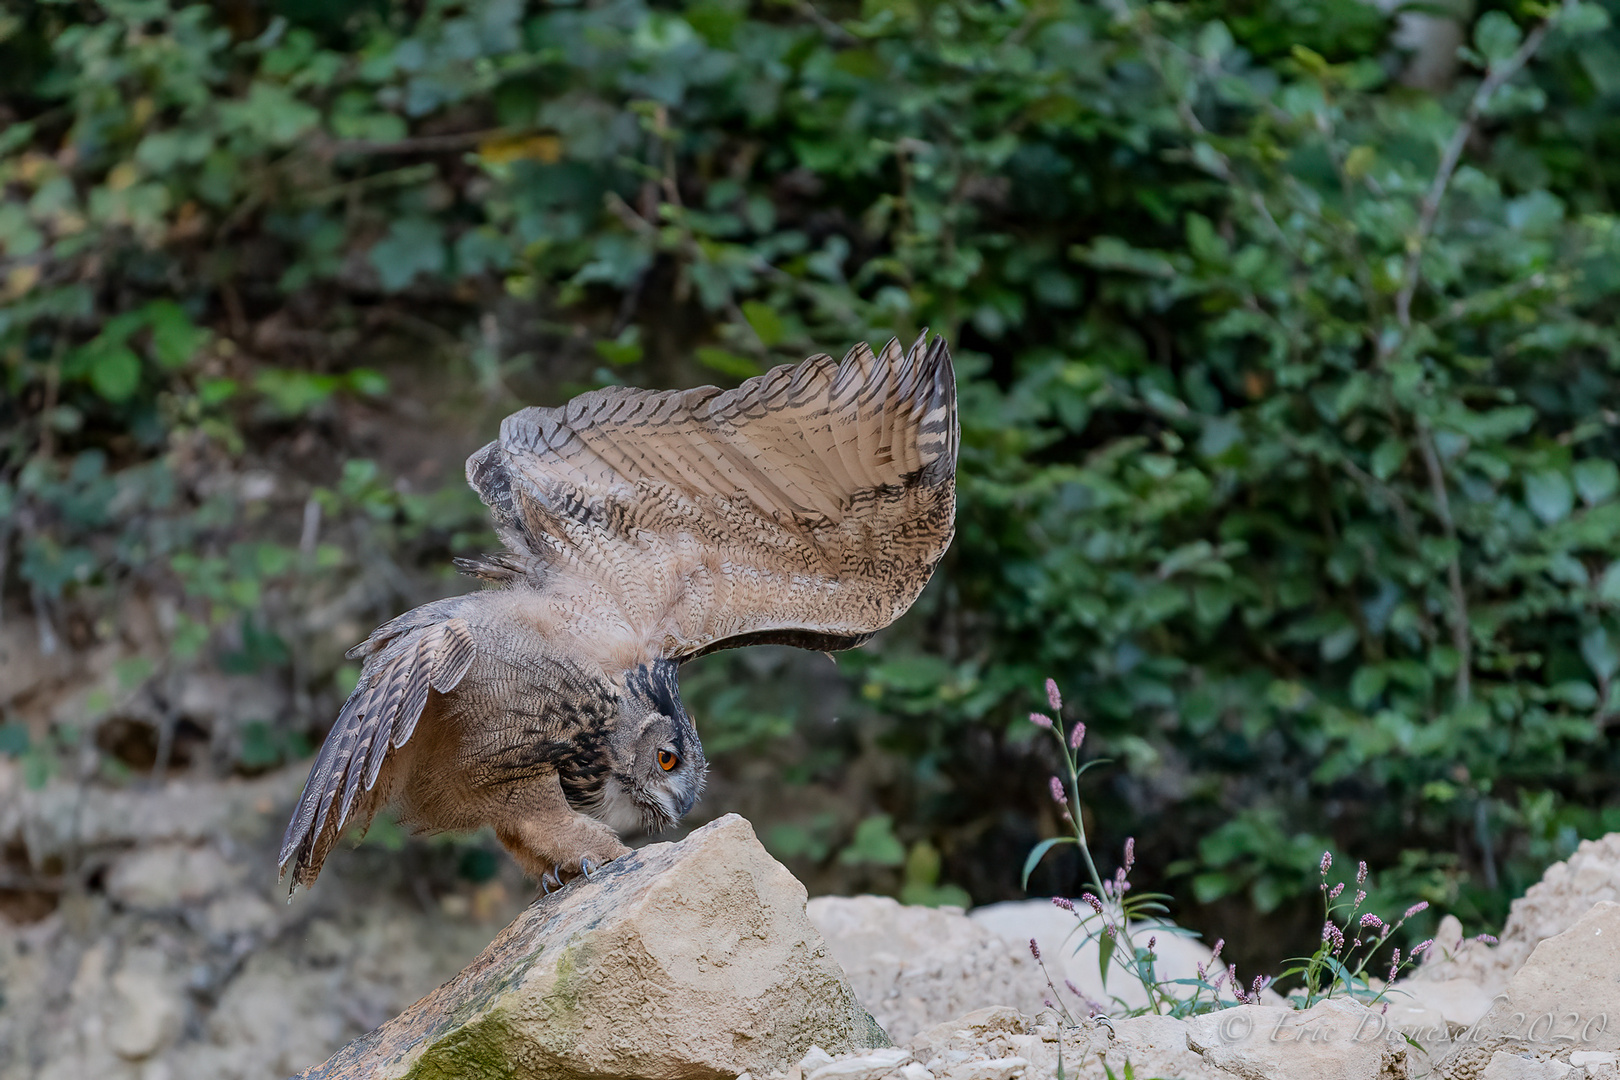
x=1333, y=1040
x=692, y=959
x=915, y=967
x=1563, y=1001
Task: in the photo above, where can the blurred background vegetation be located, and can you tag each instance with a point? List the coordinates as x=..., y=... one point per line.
x=1288, y=369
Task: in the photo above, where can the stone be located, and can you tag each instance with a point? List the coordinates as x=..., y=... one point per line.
x=914, y=967
x=867, y=1066
x=169, y=875
x=1563, y=896
x=681, y=959
x=1156, y=1046
x=1504, y=1066
x=145, y=1009
x=1333, y=1040
x=1456, y=1001
x=1588, y=1058
x=1002, y=1068
x=1562, y=999
x=1017, y=921
x=971, y=1028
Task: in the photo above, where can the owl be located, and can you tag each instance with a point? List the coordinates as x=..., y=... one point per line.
x=807, y=507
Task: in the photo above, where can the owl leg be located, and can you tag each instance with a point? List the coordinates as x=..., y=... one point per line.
x=548, y=837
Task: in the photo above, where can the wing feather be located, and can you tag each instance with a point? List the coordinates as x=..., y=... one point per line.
x=425, y=650
x=809, y=504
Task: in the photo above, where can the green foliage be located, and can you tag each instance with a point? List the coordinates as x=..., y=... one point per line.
x=1287, y=391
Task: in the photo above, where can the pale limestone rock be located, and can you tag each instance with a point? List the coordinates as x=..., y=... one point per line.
x=144, y=1010
x=914, y=967
x=1334, y=1040
x=1156, y=1046
x=1457, y=1001
x=169, y=875
x=1053, y=929
x=1565, y=893
x=681, y=959
x=1504, y=1066
x=868, y=1066
x=1563, y=999
x=1586, y=1059
x=1002, y=1068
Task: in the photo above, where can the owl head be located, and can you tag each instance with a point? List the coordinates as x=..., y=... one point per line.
x=657, y=762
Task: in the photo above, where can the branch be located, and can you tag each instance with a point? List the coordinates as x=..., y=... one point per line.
x=418, y=144
x=1458, y=614
x=1495, y=78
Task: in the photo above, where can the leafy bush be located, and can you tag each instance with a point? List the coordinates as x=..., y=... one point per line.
x=1289, y=435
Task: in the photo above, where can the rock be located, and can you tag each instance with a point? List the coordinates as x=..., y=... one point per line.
x=1586, y=1059
x=169, y=875
x=1456, y=1001
x=867, y=1066
x=1157, y=1046
x=914, y=967
x=1053, y=930
x=1565, y=893
x=972, y=1028
x=146, y=1011
x=1333, y=1040
x=688, y=959
x=999, y=1043
x=1002, y=1068
x=65, y=817
x=1561, y=1000
x=1505, y=1066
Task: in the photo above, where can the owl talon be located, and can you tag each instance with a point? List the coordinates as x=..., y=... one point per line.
x=585, y=867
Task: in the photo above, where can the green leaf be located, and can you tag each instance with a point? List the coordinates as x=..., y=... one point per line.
x=1387, y=458
x=271, y=113
x=1549, y=496
x=1601, y=652
x=765, y=321
x=115, y=373
x=1037, y=853
x=727, y=363
x=413, y=246
x=874, y=843
x=1496, y=36
x=1582, y=20
x=175, y=338
x=1609, y=587
x=1596, y=479
x=1366, y=685
x=625, y=349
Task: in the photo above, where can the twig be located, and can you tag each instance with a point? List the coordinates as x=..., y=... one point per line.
x=1495, y=78
x=1460, y=639
x=418, y=144
x=833, y=30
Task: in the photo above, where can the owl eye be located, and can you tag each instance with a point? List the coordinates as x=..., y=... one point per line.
x=667, y=760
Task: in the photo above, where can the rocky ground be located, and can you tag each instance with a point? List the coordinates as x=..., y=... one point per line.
x=181, y=958
x=702, y=959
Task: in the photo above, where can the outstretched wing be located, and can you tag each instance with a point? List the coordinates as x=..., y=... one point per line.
x=425, y=649
x=808, y=506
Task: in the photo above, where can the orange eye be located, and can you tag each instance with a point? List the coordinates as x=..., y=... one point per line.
x=667, y=760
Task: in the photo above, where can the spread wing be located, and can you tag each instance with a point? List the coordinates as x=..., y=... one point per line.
x=428, y=648
x=808, y=506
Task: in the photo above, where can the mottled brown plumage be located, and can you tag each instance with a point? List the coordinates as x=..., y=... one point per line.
x=806, y=507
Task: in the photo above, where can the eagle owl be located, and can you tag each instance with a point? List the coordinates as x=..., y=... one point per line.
x=806, y=507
